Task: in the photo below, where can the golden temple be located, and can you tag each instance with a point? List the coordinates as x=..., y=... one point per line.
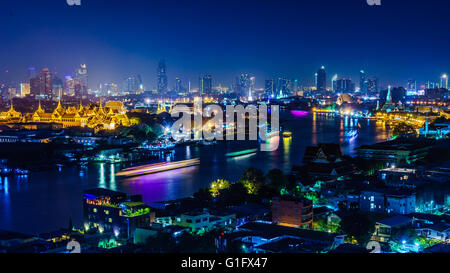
x=107, y=117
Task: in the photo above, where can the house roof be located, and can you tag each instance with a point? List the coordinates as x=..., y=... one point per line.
x=273, y=231
x=398, y=220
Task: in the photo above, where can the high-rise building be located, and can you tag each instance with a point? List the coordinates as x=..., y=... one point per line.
x=334, y=83
x=345, y=86
x=269, y=88
x=205, y=84
x=412, y=85
x=372, y=85
x=444, y=81
x=178, y=86
x=82, y=78
x=363, y=82
x=35, y=87
x=162, y=77
x=282, y=87
x=45, y=84
x=31, y=71
x=57, y=88
x=132, y=85
x=321, y=79
x=243, y=84
x=24, y=89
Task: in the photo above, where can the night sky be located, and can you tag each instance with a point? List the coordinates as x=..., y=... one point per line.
x=398, y=40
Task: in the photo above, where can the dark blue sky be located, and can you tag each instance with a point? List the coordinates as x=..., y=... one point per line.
x=398, y=40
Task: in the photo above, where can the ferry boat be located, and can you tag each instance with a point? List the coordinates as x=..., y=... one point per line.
x=287, y=134
x=157, y=167
x=240, y=153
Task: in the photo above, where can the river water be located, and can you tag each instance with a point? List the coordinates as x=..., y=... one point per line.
x=44, y=201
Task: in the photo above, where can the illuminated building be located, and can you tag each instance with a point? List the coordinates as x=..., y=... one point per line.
x=243, y=85
x=202, y=220
x=269, y=88
x=444, y=81
x=205, y=84
x=112, y=212
x=334, y=83
x=81, y=88
x=395, y=201
x=132, y=85
x=291, y=211
x=363, y=82
x=45, y=84
x=372, y=85
x=97, y=117
x=321, y=84
x=345, y=86
x=282, y=87
x=24, y=89
x=396, y=151
x=11, y=115
x=35, y=89
x=162, y=78
x=412, y=85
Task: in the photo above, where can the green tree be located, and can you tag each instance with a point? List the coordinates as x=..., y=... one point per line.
x=403, y=128
x=277, y=178
x=359, y=226
x=218, y=185
x=252, y=179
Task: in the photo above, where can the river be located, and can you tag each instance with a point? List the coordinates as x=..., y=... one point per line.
x=44, y=201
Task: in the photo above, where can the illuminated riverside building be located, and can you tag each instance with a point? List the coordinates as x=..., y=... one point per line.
x=293, y=212
x=109, y=117
x=107, y=211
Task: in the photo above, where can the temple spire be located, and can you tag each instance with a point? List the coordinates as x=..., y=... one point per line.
x=39, y=107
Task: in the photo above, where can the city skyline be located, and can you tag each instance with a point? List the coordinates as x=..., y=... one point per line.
x=117, y=51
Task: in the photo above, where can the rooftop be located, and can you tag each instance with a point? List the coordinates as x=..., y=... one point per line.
x=396, y=221
x=400, y=144
x=273, y=231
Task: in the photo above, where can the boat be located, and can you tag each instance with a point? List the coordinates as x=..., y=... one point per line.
x=157, y=167
x=240, y=153
x=287, y=134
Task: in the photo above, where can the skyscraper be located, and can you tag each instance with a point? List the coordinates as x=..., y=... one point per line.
x=205, y=84
x=345, y=86
x=162, y=78
x=282, y=87
x=57, y=88
x=321, y=79
x=334, y=83
x=178, y=86
x=444, y=81
x=363, y=82
x=269, y=88
x=82, y=79
x=35, y=87
x=412, y=86
x=132, y=85
x=372, y=85
x=243, y=85
x=31, y=71
x=45, y=83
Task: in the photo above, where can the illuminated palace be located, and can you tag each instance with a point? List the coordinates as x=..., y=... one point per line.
x=109, y=117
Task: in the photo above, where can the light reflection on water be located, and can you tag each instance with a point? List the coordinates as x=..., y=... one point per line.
x=46, y=200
